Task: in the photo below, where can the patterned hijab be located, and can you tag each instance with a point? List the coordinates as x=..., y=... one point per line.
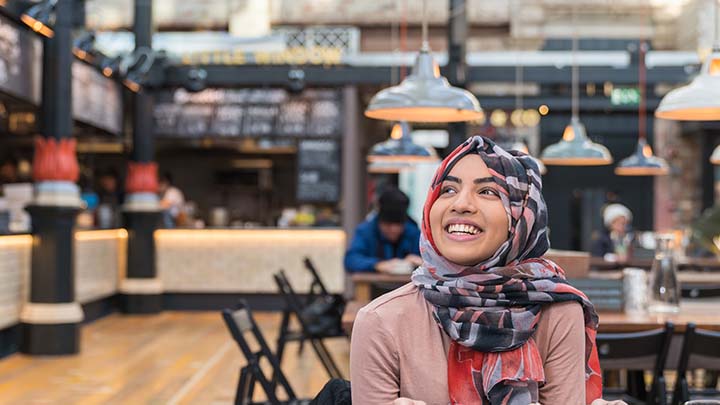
x=490, y=310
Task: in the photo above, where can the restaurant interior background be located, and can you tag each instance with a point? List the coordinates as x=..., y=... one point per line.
x=257, y=109
x=272, y=78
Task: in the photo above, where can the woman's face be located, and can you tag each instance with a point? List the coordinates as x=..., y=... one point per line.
x=468, y=220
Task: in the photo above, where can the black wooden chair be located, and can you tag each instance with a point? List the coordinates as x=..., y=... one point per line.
x=241, y=323
x=700, y=291
x=309, y=331
x=650, y=349
x=701, y=349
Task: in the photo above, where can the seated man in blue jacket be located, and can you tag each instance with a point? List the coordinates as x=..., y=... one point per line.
x=388, y=241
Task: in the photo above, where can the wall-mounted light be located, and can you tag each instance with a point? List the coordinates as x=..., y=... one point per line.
x=41, y=17
x=135, y=68
x=110, y=66
x=84, y=47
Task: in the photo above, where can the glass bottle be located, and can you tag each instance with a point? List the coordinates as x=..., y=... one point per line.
x=664, y=289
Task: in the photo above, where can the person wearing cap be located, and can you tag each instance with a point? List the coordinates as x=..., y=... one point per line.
x=614, y=242
x=388, y=241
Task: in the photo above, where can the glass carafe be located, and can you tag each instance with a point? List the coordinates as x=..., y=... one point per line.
x=663, y=288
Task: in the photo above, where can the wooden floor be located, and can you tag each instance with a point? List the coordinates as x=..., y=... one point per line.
x=171, y=358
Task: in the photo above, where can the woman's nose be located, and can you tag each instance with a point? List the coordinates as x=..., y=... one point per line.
x=463, y=203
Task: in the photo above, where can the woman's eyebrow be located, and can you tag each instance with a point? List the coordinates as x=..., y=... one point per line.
x=484, y=180
x=453, y=179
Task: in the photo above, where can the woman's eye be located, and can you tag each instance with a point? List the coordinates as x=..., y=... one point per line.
x=446, y=190
x=489, y=191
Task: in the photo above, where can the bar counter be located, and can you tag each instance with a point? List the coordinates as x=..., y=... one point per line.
x=243, y=260
x=99, y=265
x=190, y=262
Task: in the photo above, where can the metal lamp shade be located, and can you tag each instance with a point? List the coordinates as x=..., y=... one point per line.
x=576, y=149
x=400, y=148
x=424, y=96
x=642, y=163
x=697, y=101
x=715, y=157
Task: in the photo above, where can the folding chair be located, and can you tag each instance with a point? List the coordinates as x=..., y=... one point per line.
x=294, y=306
x=701, y=349
x=319, y=291
x=241, y=322
x=645, y=348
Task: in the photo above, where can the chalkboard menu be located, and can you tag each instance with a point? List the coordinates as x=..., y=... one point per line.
x=253, y=113
x=20, y=62
x=318, y=171
x=96, y=100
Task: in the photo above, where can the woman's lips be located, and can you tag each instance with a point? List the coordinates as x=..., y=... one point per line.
x=462, y=237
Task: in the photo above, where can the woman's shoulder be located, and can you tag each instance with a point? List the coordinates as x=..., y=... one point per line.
x=566, y=313
x=403, y=302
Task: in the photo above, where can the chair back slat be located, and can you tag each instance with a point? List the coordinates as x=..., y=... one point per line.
x=317, y=281
x=706, y=343
x=700, y=291
x=242, y=320
x=630, y=345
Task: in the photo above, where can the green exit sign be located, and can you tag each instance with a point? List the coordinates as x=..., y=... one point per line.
x=625, y=96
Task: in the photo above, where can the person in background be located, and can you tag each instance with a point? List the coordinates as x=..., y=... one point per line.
x=171, y=200
x=613, y=244
x=110, y=199
x=387, y=241
x=9, y=171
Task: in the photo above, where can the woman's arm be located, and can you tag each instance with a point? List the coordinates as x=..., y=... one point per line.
x=561, y=332
x=374, y=370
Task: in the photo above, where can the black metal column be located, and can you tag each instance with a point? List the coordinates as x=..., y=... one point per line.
x=456, y=67
x=142, y=289
x=51, y=317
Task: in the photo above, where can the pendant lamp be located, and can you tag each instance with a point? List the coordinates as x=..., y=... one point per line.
x=400, y=148
x=521, y=145
x=699, y=100
x=642, y=162
x=715, y=157
x=425, y=95
x=575, y=148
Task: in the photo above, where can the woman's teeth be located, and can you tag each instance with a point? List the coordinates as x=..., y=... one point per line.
x=462, y=228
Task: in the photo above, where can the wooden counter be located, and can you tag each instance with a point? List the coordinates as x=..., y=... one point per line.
x=100, y=258
x=244, y=260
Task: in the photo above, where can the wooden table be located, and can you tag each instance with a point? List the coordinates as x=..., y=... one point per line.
x=688, y=263
x=363, y=282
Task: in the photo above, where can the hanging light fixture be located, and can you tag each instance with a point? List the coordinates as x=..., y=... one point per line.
x=520, y=145
x=715, y=157
x=400, y=148
x=40, y=17
x=642, y=162
x=425, y=95
x=699, y=100
x=575, y=148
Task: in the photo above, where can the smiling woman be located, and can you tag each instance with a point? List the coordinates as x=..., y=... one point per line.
x=486, y=320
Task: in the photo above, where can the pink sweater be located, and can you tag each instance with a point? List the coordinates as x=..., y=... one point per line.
x=398, y=350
